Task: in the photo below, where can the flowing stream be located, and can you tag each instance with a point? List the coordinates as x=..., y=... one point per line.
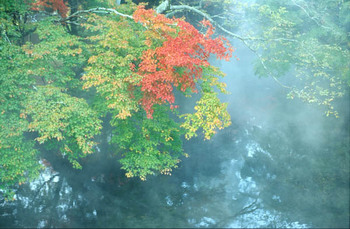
x=280, y=164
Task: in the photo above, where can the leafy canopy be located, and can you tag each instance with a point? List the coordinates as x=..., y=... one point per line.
x=58, y=85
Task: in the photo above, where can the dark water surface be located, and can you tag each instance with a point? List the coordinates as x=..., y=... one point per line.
x=280, y=164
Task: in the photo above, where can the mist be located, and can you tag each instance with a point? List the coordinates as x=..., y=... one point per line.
x=282, y=163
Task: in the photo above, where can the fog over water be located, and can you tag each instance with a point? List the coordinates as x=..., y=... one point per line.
x=277, y=165
x=251, y=174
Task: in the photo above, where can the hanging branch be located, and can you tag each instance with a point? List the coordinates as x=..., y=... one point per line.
x=310, y=17
x=190, y=8
x=265, y=67
x=166, y=6
x=177, y=8
x=94, y=10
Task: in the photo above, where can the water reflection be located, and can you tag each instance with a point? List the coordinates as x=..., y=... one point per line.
x=214, y=194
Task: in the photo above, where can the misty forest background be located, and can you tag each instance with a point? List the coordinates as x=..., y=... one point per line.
x=123, y=93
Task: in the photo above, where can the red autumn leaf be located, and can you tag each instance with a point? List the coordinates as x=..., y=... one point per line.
x=184, y=49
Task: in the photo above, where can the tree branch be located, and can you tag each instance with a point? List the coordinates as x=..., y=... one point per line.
x=165, y=6
x=309, y=16
x=190, y=8
x=265, y=67
x=213, y=22
x=243, y=39
x=95, y=10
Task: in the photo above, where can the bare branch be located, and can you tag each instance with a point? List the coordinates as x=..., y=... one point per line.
x=218, y=16
x=309, y=16
x=209, y=18
x=190, y=8
x=95, y=10
x=264, y=66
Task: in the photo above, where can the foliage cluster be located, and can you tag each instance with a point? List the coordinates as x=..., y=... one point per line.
x=61, y=82
x=303, y=45
x=308, y=40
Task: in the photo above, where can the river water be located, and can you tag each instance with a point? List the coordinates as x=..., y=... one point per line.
x=280, y=164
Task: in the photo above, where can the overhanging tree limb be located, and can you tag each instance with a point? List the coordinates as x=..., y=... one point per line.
x=166, y=6
x=243, y=39
x=95, y=10
x=209, y=18
x=190, y=8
